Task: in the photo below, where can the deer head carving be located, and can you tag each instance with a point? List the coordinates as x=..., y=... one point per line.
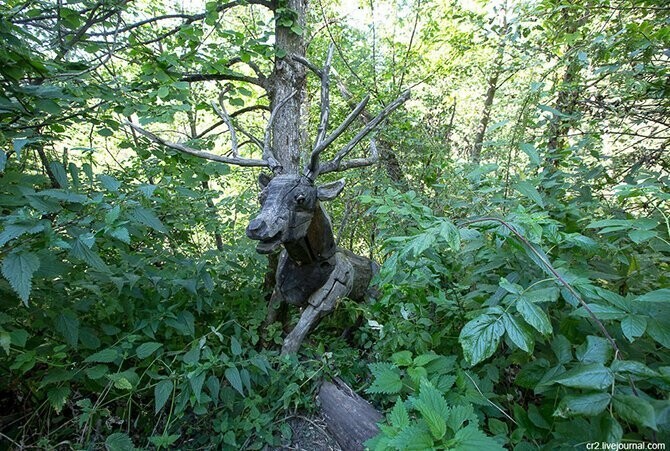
x=312, y=271
x=288, y=205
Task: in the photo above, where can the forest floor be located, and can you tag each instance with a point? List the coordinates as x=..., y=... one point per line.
x=309, y=434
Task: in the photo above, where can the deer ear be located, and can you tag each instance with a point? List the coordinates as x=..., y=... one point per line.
x=263, y=180
x=329, y=191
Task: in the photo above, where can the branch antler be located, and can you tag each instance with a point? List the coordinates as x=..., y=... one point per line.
x=314, y=168
x=268, y=160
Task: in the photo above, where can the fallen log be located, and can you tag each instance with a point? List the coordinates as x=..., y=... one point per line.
x=350, y=418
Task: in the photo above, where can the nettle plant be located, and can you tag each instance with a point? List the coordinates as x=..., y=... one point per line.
x=559, y=347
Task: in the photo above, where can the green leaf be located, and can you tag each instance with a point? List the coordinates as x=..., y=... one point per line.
x=402, y=358
x=398, y=417
x=163, y=91
x=235, y=347
x=425, y=359
x=106, y=132
x=81, y=250
x=634, y=368
x=19, y=337
x=12, y=231
x=528, y=190
x=162, y=392
x=534, y=315
x=19, y=144
x=109, y=182
x=119, y=442
x=97, y=371
x=214, y=387
x=67, y=324
x=121, y=234
x=592, y=376
x=659, y=331
x=297, y=29
x=123, y=384
x=450, y=235
x=480, y=337
x=413, y=437
x=662, y=295
x=56, y=376
x=192, y=356
x=518, y=333
x=604, y=312
x=105, y=356
x=639, y=236
x=459, y=415
x=233, y=376
x=148, y=218
x=529, y=149
x=594, y=350
x=549, y=294
x=635, y=410
x=589, y=404
x=433, y=408
x=472, y=439
x=18, y=268
x=387, y=378
x=510, y=287
x=196, y=381
x=163, y=441
x=633, y=326
x=5, y=341
x=420, y=243
x=57, y=397
x=146, y=349
x=59, y=174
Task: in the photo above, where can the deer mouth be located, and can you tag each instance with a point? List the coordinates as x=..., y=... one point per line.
x=269, y=245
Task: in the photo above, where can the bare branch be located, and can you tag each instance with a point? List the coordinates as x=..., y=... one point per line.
x=313, y=171
x=221, y=111
x=229, y=77
x=336, y=163
x=309, y=65
x=325, y=100
x=354, y=162
x=236, y=113
x=247, y=162
x=251, y=137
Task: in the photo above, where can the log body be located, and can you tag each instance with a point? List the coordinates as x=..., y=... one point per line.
x=351, y=419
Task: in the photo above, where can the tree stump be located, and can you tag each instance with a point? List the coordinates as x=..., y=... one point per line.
x=350, y=418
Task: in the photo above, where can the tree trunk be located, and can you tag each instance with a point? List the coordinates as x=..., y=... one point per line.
x=351, y=419
x=566, y=103
x=476, y=153
x=289, y=76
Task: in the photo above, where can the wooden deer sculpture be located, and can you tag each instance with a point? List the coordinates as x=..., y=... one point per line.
x=313, y=273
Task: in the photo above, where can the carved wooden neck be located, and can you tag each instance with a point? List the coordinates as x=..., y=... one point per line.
x=317, y=245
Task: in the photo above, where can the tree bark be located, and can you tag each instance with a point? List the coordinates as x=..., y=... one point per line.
x=351, y=419
x=476, y=153
x=566, y=103
x=289, y=76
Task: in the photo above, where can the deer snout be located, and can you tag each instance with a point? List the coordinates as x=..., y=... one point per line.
x=257, y=229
